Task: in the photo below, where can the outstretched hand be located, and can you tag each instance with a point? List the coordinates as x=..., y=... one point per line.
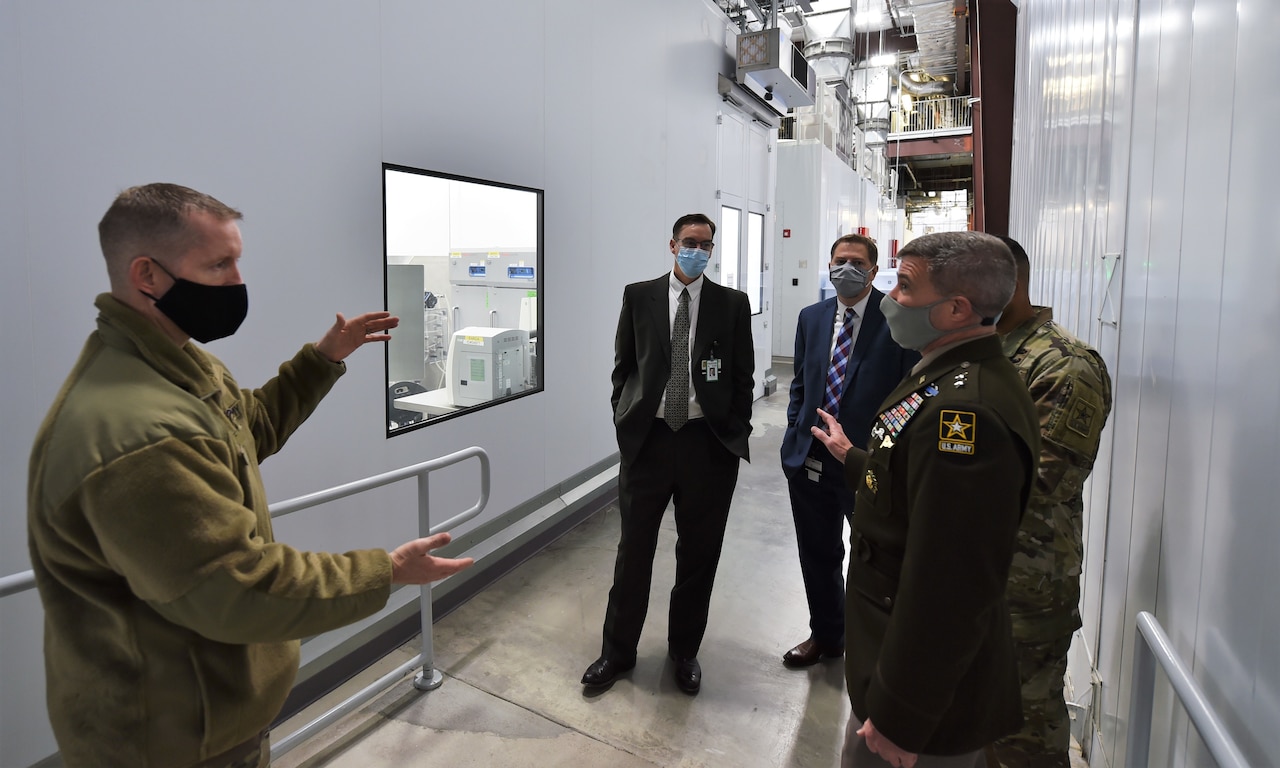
x=346, y=336
x=413, y=563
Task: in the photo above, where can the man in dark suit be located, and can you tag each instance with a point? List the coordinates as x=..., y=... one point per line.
x=682, y=392
x=845, y=362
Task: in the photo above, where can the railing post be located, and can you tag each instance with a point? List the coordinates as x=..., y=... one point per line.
x=1141, y=700
x=429, y=678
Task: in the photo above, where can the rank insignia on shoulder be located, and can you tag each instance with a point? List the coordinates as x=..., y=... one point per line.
x=871, y=480
x=957, y=432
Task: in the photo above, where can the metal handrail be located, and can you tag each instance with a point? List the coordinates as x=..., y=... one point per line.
x=17, y=582
x=428, y=678
x=1151, y=644
x=932, y=117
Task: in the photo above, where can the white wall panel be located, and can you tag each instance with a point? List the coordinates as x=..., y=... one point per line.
x=819, y=199
x=799, y=257
x=1238, y=632
x=20, y=627
x=288, y=115
x=733, y=171
x=1210, y=80
x=1146, y=139
x=16, y=321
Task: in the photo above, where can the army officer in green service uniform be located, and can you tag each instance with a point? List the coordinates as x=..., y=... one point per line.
x=939, y=495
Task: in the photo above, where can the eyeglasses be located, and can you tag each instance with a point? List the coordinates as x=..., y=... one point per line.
x=705, y=245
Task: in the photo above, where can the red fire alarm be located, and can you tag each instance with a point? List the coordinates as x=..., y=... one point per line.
x=786, y=233
x=863, y=231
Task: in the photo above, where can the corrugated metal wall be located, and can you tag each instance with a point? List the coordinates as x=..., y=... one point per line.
x=1142, y=131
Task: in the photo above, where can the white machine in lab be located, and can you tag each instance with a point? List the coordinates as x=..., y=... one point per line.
x=487, y=363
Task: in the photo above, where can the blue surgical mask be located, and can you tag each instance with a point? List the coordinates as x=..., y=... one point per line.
x=911, y=327
x=848, y=280
x=692, y=261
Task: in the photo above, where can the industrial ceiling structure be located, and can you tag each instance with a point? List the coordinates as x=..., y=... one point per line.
x=872, y=54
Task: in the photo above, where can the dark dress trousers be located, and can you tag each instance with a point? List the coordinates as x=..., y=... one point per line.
x=819, y=507
x=697, y=465
x=952, y=457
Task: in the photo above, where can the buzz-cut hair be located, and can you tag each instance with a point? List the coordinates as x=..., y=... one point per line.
x=1020, y=257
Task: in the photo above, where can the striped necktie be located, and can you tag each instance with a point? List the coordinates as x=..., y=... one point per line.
x=839, y=362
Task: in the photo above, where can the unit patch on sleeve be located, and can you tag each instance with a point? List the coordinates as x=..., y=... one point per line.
x=957, y=432
x=1079, y=423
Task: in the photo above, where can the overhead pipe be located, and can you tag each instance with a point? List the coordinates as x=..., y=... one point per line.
x=931, y=88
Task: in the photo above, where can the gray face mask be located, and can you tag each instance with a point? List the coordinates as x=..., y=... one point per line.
x=848, y=280
x=911, y=327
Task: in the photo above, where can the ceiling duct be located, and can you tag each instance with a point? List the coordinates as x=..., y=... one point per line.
x=830, y=57
x=935, y=29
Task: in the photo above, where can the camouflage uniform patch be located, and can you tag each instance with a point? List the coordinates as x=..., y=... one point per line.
x=1072, y=392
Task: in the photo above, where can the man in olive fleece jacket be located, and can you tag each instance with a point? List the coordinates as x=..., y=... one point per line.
x=171, y=614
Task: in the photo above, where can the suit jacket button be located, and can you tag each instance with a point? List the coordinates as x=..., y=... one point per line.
x=888, y=602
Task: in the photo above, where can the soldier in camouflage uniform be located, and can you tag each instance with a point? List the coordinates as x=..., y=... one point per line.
x=1072, y=393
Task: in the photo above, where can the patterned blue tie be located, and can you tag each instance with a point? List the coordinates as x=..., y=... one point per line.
x=839, y=362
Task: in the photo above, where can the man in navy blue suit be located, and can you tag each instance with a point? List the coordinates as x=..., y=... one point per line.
x=845, y=363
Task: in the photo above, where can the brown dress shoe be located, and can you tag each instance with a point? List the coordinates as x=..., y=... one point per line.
x=809, y=653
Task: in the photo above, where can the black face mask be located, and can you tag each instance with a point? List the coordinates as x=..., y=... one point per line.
x=203, y=312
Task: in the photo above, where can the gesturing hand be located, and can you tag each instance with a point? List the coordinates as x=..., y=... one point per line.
x=346, y=336
x=888, y=751
x=833, y=437
x=413, y=563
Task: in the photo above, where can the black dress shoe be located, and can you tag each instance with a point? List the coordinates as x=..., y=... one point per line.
x=688, y=674
x=603, y=672
x=809, y=653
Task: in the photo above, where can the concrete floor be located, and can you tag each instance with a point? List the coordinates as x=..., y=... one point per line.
x=512, y=658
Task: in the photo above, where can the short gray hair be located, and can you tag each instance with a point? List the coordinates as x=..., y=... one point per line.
x=974, y=265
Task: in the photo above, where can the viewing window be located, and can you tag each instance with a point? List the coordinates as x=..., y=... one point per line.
x=463, y=261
